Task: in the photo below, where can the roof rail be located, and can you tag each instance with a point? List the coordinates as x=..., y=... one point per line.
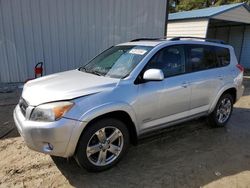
x=199, y=38
x=139, y=39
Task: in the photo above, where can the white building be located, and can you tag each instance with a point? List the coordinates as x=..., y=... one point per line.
x=65, y=34
x=230, y=23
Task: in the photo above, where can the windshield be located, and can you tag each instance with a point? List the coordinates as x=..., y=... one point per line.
x=116, y=62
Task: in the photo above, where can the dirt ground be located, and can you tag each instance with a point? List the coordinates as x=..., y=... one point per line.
x=189, y=155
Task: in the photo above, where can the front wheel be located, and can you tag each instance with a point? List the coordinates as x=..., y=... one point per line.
x=102, y=144
x=222, y=112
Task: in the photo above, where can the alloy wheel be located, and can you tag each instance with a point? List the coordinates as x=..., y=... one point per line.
x=224, y=110
x=104, y=146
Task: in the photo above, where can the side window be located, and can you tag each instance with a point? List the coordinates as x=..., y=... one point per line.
x=201, y=57
x=223, y=56
x=171, y=60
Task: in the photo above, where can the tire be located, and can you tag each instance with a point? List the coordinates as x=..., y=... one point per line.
x=214, y=119
x=94, y=148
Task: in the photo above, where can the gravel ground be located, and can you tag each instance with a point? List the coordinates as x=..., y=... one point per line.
x=189, y=155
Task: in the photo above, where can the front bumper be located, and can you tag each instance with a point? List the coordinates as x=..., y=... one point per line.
x=47, y=137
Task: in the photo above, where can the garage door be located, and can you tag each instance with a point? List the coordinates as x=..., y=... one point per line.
x=235, y=39
x=245, y=56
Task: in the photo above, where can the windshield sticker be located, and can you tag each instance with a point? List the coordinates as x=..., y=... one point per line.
x=138, y=51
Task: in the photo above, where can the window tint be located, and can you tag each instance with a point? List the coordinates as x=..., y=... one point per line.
x=171, y=60
x=223, y=56
x=202, y=57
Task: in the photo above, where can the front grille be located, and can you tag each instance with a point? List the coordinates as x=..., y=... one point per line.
x=23, y=106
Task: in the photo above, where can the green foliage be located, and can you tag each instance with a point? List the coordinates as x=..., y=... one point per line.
x=191, y=4
x=185, y=5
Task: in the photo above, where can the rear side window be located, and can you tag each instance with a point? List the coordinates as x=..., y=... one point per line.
x=223, y=56
x=201, y=57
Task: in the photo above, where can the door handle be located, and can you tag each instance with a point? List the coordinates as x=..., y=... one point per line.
x=220, y=77
x=184, y=84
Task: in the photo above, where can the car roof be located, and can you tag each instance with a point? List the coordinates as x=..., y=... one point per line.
x=143, y=43
x=155, y=42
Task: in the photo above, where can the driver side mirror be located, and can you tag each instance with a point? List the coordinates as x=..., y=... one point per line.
x=153, y=75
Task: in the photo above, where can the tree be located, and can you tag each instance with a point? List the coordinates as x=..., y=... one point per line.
x=191, y=4
x=185, y=5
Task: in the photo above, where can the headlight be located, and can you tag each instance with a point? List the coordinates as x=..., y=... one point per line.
x=50, y=111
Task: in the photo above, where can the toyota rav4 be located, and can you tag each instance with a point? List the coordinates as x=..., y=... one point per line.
x=96, y=111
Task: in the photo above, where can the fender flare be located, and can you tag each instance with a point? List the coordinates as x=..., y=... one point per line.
x=107, y=108
x=91, y=115
x=219, y=94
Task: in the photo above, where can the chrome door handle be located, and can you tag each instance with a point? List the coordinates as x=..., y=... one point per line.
x=184, y=84
x=220, y=77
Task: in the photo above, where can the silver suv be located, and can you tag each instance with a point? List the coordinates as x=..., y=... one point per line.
x=95, y=112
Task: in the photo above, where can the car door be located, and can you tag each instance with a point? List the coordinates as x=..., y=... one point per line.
x=147, y=105
x=171, y=100
x=206, y=76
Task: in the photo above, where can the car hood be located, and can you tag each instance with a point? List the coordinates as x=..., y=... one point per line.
x=64, y=86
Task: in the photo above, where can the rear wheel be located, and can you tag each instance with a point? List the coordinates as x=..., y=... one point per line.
x=102, y=144
x=222, y=112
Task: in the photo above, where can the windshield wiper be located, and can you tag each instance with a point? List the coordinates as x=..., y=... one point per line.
x=91, y=72
x=95, y=72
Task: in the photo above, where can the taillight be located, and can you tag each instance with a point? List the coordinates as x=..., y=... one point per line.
x=240, y=67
